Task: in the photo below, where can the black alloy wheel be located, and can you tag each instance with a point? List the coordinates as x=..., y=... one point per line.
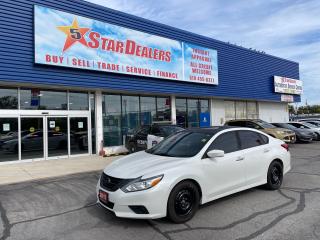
x=275, y=176
x=183, y=202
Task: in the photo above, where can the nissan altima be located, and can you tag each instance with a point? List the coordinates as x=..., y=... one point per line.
x=190, y=168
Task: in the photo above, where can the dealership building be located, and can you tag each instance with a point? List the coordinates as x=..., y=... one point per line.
x=76, y=78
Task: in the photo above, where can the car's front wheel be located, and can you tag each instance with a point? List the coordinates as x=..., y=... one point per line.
x=275, y=176
x=183, y=202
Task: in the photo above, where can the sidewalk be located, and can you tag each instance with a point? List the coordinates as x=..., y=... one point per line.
x=22, y=172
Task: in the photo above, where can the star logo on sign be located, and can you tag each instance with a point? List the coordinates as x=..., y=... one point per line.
x=74, y=34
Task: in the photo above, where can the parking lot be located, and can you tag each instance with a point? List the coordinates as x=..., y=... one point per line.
x=65, y=208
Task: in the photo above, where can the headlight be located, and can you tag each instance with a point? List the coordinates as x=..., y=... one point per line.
x=142, y=184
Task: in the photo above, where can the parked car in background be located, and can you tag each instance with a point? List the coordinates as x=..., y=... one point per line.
x=276, y=132
x=302, y=135
x=305, y=125
x=190, y=168
x=155, y=133
x=313, y=122
x=34, y=141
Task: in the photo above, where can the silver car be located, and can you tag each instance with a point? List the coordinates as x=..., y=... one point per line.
x=305, y=125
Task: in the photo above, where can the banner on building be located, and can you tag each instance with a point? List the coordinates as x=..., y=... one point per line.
x=64, y=39
x=287, y=85
x=287, y=98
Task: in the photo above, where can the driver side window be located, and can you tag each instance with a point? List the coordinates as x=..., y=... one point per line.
x=228, y=142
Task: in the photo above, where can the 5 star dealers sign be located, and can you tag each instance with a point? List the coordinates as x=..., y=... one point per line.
x=64, y=39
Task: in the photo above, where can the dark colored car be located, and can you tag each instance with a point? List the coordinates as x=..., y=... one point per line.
x=302, y=135
x=138, y=140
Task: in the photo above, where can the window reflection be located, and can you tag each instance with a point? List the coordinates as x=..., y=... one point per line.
x=78, y=101
x=130, y=113
x=43, y=99
x=163, y=109
x=9, y=139
x=148, y=110
x=189, y=110
x=112, y=120
x=8, y=98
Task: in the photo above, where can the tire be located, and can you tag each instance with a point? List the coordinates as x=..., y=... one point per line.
x=132, y=148
x=275, y=176
x=183, y=202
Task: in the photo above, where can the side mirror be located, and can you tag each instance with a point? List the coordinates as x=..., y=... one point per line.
x=215, y=154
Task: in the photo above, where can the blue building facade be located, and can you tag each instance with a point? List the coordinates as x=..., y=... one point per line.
x=107, y=105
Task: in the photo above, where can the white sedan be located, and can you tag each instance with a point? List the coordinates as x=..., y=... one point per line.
x=190, y=168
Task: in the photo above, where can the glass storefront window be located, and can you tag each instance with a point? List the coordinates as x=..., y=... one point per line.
x=9, y=144
x=204, y=105
x=188, y=111
x=36, y=99
x=181, y=112
x=193, y=106
x=163, y=109
x=130, y=114
x=78, y=101
x=122, y=114
x=8, y=98
x=112, y=120
x=148, y=110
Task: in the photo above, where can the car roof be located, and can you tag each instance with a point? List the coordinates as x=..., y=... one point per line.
x=246, y=120
x=211, y=130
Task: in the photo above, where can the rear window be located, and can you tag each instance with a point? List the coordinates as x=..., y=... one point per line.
x=236, y=123
x=250, y=139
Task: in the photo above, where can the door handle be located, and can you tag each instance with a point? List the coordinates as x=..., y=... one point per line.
x=240, y=159
x=266, y=150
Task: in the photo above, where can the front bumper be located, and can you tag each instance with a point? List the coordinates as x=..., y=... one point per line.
x=119, y=202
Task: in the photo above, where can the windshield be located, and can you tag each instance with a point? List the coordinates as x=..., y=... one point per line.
x=181, y=144
x=285, y=125
x=265, y=124
x=168, y=130
x=309, y=125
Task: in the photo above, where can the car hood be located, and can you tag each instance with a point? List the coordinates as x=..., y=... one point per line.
x=304, y=131
x=141, y=164
x=274, y=130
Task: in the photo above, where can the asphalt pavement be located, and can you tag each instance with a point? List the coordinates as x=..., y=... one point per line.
x=65, y=208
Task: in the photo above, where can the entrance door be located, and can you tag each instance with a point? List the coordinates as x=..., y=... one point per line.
x=32, y=141
x=44, y=137
x=79, y=135
x=57, y=136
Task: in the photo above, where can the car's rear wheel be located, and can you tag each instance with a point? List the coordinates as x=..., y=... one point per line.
x=183, y=202
x=275, y=176
x=132, y=148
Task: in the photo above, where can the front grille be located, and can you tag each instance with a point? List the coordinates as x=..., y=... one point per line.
x=112, y=184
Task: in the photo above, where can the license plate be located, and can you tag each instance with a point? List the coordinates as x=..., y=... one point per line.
x=103, y=196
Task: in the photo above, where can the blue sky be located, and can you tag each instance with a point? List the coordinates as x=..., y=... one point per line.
x=285, y=28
